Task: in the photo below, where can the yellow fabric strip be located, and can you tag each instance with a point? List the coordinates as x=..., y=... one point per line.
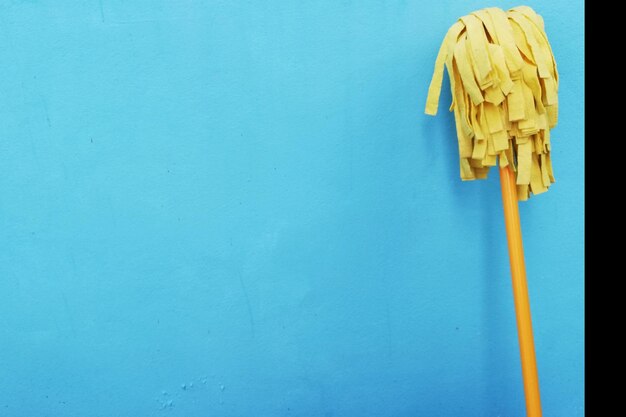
x=520, y=42
x=466, y=72
x=532, y=15
x=467, y=173
x=515, y=102
x=497, y=57
x=524, y=163
x=434, y=90
x=477, y=48
x=481, y=173
x=500, y=141
x=531, y=79
x=432, y=102
x=465, y=142
x=529, y=33
x=545, y=176
x=504, y=160
x=506, y=39
x=478, y=131
x=480, y=149
x=486, y=19
x=536, y=180
x=549, y=168
x=522, y=192
x=492, y=114
x=490, y=161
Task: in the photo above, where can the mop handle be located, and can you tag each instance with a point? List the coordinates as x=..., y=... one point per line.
x=520, y=292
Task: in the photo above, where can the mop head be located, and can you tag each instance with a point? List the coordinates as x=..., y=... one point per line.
x=504, y=85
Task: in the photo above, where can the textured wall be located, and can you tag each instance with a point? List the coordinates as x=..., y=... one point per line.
x=238, y=208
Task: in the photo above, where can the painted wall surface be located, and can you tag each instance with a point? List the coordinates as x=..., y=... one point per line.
x=238, y=208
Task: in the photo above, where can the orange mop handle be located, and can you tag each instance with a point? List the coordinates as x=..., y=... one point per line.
x=520, y=292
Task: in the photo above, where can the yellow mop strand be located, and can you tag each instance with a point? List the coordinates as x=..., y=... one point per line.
x=504, y=84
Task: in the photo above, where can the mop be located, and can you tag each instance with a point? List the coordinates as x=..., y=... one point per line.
x=504, y=84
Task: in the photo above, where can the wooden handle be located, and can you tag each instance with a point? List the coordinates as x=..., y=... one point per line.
x=520, y=292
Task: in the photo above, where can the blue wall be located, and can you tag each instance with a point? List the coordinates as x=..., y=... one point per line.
x=238, y=208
